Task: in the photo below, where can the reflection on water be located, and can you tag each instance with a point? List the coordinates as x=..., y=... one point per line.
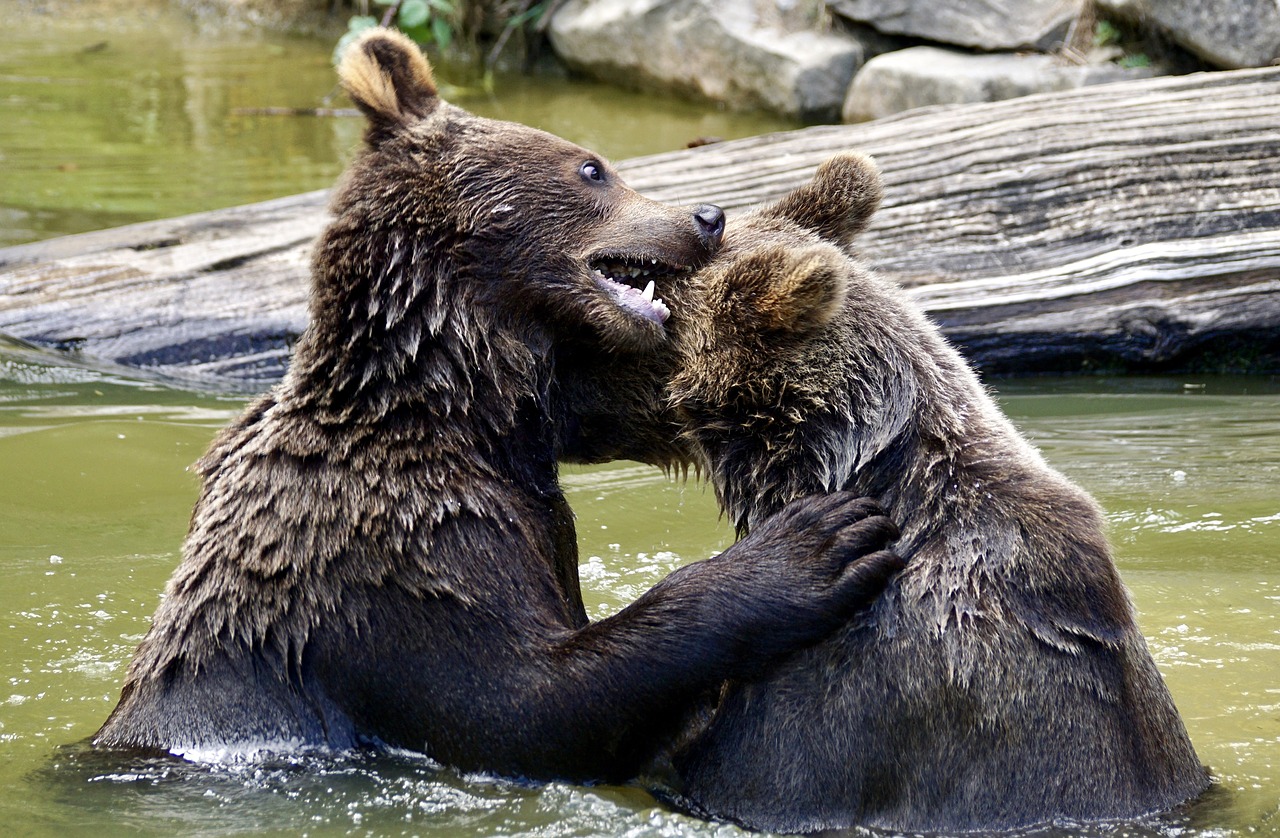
x=96, y=495
x=355, y=793
x=107, y=120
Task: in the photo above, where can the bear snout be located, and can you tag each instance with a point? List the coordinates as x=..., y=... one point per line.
x=710, y=219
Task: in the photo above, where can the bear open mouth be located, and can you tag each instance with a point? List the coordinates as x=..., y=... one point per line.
x=633, y=280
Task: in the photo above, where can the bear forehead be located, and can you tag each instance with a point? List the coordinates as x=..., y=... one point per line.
x=471, y=135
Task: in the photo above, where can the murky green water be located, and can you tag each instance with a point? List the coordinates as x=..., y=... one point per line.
x=105, y=121
x=95, y=495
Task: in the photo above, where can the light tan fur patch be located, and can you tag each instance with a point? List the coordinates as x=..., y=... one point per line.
x=386, y=72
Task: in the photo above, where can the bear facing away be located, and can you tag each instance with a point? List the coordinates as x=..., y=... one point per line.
x=1001, y=680
x=381, y=554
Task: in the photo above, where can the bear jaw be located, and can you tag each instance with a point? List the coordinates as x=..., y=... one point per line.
x=621, y=278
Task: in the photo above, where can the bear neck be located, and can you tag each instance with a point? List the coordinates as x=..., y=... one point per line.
x=400, y=339
x=951, y=449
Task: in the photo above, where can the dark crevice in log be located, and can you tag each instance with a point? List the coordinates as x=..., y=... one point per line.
x=221, y=348
x=1153, y=345
x=155, y=245
x=242, y=260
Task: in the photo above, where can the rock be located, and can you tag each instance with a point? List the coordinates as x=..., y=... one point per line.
x=983, y=24
x=1226, y=33
x=747, y=53
x=919, y=76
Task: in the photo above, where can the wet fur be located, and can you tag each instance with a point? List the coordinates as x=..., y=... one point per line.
x=1001, y=681
x=381, y=554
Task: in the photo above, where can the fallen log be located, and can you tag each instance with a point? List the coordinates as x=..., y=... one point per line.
x=215, y=298
x=1133, y=226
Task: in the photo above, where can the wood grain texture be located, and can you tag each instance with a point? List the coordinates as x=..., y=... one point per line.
x=1129, y=226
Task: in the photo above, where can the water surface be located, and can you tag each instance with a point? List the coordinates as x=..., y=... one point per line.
x=96, y=492
x=108, y=119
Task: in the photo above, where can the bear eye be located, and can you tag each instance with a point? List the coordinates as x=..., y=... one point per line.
x=591, y=171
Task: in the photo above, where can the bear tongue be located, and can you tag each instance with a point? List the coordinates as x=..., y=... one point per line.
x=635, y=300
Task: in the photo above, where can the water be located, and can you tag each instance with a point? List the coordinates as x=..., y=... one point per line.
x=107, y=119
x=95, y=489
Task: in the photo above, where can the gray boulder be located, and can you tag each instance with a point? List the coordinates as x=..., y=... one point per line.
x=983, y=24
x=1226, y=33
x=747, y=53
x=919, y=76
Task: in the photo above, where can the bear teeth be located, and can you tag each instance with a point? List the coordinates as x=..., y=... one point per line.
x=632, y=283
x=634, y=300
x=629, y=272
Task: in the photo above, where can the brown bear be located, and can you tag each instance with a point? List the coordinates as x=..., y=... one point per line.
x=381, y=554
x=1000, y=681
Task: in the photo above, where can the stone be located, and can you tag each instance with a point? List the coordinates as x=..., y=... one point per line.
x=920, y=76
x=1226, y=33
x=766, y=54
x=982, y=24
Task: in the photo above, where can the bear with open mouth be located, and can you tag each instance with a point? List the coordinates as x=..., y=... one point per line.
x=381, y=555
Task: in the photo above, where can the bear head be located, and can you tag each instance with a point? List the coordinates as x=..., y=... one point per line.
x=783, y=274
x=775, y=341
x=501, y=242
x=581, y=245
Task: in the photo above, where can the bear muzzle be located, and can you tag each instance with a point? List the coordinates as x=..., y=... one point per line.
x=710, y=220
x=632, y=282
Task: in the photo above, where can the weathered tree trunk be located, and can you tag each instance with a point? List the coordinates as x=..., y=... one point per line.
x=215, y=297
x=1127, y=226
x=1130, y=226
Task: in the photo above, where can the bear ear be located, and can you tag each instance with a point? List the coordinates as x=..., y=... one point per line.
x=792, y=289
x=388, y=78
x=840, y=200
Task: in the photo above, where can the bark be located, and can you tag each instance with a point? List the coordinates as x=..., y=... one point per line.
x=1133, y=226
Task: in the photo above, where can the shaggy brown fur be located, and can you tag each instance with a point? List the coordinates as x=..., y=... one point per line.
x=381, y=555
x=1001, y=680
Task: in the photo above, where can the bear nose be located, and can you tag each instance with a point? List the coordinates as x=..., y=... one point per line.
x=710, y=220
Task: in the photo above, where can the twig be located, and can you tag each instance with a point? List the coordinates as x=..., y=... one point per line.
x=1079, y=40
x=391, y=13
